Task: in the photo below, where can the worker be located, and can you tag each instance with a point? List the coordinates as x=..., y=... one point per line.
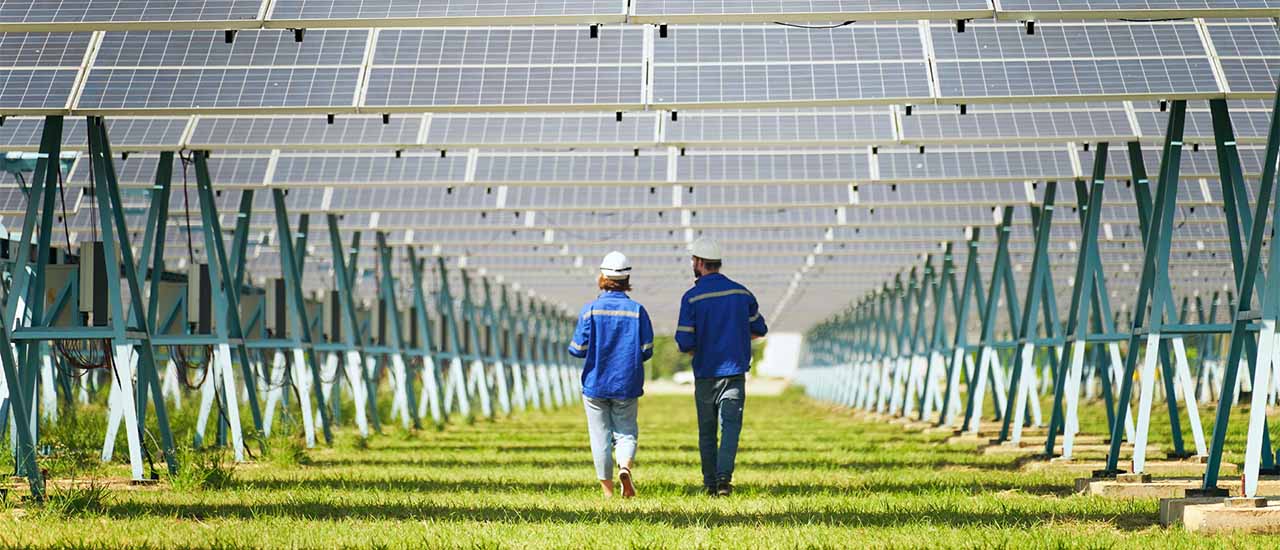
x=615, y=337
x=718, y=320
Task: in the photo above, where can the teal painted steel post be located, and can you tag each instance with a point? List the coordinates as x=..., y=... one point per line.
x=455, y=353
x=1242, y=316
x=227, y=301
x=396, y=341
x=494, y=355
x=1024, y=353
x=25, y=452
x=156, y=230
x=945, y=282
x=959, y=346
x=475, y=353
x=974, y=400
x=433, y=385
x=107, y=193
x=354, y=343
x=1165, y=199
x=1090, y=210
x=290, y=267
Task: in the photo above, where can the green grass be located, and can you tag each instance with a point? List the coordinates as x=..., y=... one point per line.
x=808, y=475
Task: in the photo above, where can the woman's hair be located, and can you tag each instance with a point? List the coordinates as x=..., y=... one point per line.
x=615, y=285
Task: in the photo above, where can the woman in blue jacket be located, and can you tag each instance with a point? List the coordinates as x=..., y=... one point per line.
x=615, y=337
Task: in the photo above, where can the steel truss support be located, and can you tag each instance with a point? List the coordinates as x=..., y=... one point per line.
x=363, y=388
x=986, y=350
x=1259, y=455
x=961, y=360
x=493, y=352
x=226, y=301
x=477, y=381
x=131, y=335
x=456, y=387
x=302, y=341
x=431, y=399
x=1156, y=257
x=1020, y=380
x=404, y=394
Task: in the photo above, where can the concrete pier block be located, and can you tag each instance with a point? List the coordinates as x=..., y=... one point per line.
x=1226, y=516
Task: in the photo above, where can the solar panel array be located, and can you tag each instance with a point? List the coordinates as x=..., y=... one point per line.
x=528, y=139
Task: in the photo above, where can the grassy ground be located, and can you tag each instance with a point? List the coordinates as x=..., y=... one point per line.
x=807, y=476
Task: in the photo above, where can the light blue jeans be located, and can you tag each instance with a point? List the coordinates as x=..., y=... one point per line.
x=613, y=429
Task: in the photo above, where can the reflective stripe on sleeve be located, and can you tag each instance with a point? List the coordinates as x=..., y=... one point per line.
x=577, y=346
x=646, y=347
x=684, y=329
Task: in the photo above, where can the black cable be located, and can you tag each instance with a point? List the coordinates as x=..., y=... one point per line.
x=66, y=230
x=186, y=206
x=814, y=27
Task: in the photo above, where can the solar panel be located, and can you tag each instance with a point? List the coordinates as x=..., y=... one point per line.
x=580, y=168
x=1104, y=60
x=451, y=68
x=184, y=70
x=864, y=126
x=40, y=49
x=564, y=130
x=760, y=64
x=140, y=171
x=302, y=170
x=35, y=90
x=976, y=163
x=103, y=14
x=1249, y=54
x=686, y=11
x=765, y=166
x=1056, y=124
x=587, y=198
x=348, y=132
x=1108, y=9
x=452, y=12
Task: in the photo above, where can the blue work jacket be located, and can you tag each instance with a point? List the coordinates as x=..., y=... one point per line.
x=615, y=337
x=718, y=317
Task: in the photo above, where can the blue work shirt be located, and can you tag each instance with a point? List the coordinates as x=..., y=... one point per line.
x=718, y=317
x=615, y=336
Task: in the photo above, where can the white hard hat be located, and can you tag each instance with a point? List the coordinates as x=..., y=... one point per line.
x=705, y=248
x=615, y=266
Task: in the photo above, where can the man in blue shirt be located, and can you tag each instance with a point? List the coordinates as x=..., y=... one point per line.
x=718, y=320
x=615, y=337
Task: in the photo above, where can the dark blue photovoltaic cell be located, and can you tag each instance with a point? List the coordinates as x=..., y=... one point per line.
x=510, y=46
x=32, y=89
x=43, y=49
x=121, y=11
x=190, y=49
x=473, y=86
x=791, y=9
x=1071, y=77
x=371, y=9
x=780, y=82
x=218, y=88
x=1135, y=5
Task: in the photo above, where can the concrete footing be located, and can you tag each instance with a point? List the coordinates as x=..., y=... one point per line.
x=1217, y=515
x=1163, y=468
x=1175, y=488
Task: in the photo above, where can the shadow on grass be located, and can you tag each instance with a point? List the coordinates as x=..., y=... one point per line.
x=846, y=488
x=747, y=460
x=326, y=511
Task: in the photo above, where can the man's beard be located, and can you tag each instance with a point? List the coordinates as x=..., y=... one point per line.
x=696, y=275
